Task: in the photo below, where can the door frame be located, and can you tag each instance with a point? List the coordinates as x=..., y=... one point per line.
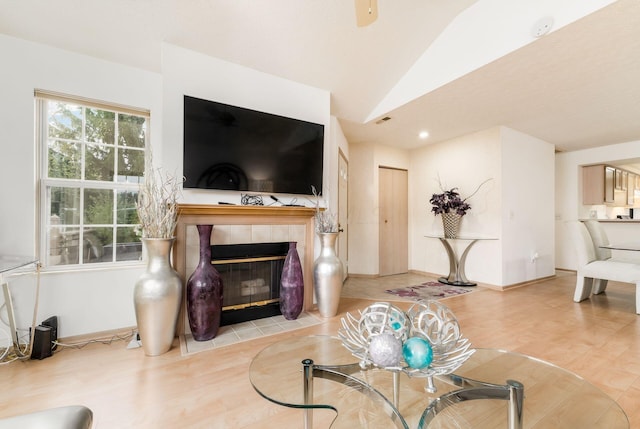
x=343, y=212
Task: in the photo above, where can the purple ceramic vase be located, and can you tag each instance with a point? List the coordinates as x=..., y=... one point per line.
x=291, y=285
x=204, y=292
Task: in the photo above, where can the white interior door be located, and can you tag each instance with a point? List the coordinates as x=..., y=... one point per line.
x=393, y=238
x=343, y=212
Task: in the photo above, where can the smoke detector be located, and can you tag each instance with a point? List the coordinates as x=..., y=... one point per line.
x=542, y=26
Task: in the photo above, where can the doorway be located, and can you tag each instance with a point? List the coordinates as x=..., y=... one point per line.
x=393, y=221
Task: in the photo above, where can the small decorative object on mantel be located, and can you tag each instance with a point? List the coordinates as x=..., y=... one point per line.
x=452, y=207
x=327, y=268
x=204, y=292
x=291, y=284
x=423, y=342
x=158, y=292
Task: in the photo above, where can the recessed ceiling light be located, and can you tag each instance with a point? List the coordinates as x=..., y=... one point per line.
x=423, y=134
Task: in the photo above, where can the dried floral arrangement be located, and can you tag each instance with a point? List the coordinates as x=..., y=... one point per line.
x=157, y=203
x=326, y=221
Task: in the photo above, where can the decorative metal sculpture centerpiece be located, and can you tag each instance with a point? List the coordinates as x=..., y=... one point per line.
x=423, y=342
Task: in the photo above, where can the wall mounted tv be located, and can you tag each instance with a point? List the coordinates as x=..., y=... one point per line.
x=233, y=148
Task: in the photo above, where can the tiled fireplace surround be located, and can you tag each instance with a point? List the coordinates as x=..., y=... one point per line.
x=242, y=225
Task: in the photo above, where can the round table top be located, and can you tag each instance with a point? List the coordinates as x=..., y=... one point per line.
x=554, y=397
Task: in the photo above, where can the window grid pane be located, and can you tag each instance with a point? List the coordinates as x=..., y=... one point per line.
x=65, y=159
x=99, y=162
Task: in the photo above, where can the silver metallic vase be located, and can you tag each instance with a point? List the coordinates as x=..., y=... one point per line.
x=327, y=275
x=451, y=224
x=156, y=297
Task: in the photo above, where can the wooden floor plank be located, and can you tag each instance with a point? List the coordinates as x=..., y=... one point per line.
x=598, y=339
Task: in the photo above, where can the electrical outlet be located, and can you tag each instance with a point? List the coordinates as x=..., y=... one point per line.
x=135, y=342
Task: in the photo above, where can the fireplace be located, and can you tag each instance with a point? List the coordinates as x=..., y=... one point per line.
x=242, y=225
x=250, y=278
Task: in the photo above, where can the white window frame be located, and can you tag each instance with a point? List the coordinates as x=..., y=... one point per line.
x=45, y=183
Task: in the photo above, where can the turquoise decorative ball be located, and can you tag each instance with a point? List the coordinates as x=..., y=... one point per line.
x=417, y=352
x=395, y=324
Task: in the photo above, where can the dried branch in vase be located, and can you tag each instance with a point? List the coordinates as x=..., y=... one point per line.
x=326, y=221
x=157, y=204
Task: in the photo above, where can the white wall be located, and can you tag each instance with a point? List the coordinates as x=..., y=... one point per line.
x=569, y=192
x=515, y=207
x=364, y=161
x=187, y=72
x=88, y=301
x=84, y=301
x=464, y=163
x=363, y=216
x=338, y=143
x=338, y=137
x=527, y=207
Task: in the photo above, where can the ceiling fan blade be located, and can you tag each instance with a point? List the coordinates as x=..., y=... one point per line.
x=366, y=12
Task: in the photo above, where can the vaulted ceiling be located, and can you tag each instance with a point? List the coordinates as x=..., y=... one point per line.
x=450, y=67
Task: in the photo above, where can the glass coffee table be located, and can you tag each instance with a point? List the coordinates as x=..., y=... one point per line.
x=320, y=376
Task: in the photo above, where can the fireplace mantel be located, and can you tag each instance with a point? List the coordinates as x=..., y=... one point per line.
x=233, y=210
x=255, y=224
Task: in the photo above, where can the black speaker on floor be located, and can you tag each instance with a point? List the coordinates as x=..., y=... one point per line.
x=41, y=342
x=53, y=323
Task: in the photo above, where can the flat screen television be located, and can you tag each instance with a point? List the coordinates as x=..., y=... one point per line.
x=233, y=148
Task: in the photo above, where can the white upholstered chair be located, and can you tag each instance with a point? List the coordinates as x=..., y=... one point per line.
x=69, y=417
x=599, y=238
x=590, y=268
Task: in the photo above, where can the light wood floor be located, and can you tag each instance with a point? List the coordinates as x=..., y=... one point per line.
x=598, y=339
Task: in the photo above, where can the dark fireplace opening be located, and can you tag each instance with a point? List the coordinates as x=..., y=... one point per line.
x=250, y=279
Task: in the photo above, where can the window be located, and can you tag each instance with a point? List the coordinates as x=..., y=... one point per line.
x=92, y=161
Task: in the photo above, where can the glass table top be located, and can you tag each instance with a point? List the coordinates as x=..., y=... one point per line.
x=11, y=262
x=554, y=397
x=634, y=247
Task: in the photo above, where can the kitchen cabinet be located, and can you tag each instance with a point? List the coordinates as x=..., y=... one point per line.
x=598, y=184
x=605, y=184
x=618, y=180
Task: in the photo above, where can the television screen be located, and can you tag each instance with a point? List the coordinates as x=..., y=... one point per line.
x=233, y=148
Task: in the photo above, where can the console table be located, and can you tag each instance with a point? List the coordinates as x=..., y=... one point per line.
x=457, y=276
x=318, y=375
x=9, y=264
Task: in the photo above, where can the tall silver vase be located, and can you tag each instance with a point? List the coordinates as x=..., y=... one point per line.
x=327, y=275
x=156, y=297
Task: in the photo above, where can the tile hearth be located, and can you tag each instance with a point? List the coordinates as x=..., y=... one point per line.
x=233, y=334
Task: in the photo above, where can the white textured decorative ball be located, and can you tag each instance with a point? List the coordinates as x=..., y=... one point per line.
x=385, y=350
